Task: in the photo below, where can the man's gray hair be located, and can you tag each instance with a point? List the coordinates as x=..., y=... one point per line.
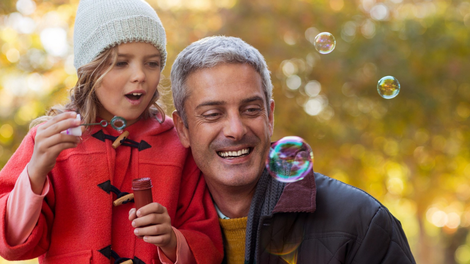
x=210, y=52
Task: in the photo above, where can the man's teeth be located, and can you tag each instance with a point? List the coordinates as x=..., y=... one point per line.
x=234, y=153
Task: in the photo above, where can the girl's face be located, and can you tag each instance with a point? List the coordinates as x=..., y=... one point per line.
x=126, y=90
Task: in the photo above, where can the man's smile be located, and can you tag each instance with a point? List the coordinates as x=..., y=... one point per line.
x=234, y=153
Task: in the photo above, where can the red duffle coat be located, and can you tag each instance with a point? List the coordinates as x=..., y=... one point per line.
x=78, y=222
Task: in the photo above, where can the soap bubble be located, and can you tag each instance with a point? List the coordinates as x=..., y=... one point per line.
x=325, y=43
x=388, y=87
x=290, y=159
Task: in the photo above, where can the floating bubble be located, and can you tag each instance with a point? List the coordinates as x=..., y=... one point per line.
x=290, y=159
x=325, y=43
x=388, y=87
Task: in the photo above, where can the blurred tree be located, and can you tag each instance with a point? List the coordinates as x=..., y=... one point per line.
x=410, y=152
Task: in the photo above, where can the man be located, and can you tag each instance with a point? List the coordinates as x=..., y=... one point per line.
x=222, y=93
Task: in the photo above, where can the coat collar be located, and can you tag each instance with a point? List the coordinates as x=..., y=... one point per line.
x=299, y=196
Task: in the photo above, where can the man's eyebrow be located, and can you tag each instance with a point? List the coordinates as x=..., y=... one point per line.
x=252, y=99
x=210, y=103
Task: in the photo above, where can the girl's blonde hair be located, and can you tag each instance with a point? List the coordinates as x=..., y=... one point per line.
x=83, y=98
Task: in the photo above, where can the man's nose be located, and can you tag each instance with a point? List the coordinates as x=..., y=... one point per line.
x=234, y=127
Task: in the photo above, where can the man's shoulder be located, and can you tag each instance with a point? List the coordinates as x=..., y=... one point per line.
x=341, y=198
x=335, y=188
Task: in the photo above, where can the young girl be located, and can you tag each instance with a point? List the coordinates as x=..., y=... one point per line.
x=61, y=195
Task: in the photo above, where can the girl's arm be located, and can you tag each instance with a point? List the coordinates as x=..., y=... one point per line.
x=183, y=253
x=37, y=242
x=23, y=210
x=37, y=153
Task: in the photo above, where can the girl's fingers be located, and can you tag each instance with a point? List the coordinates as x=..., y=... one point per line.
x=57, y=124
x=49, y=142
x=151, y=219
x=151, y=208
x=161, y=240
x=56, y=149
x=45, y=144
x=153, y=223
x=58, y=118
x=153, y=230
x=132, y=215
x=48, y=157
x=151, y=214
x=60, y=126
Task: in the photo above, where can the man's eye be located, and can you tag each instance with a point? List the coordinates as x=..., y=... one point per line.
x=253, y=111
x=211, y=116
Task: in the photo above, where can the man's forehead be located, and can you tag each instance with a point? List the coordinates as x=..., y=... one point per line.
x=226, y=70
x=224, y=83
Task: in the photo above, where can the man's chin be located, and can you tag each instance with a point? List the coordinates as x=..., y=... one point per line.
x=240, y=178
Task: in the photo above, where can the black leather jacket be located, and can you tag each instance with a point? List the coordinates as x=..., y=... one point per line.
x=321, y=220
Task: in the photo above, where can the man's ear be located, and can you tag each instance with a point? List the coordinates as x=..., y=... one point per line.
x=183, y=132
x=271, y=115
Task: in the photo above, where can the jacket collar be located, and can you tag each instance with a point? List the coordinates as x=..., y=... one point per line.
x=299, y=196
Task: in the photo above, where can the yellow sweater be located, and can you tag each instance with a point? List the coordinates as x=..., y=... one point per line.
x=234, y=239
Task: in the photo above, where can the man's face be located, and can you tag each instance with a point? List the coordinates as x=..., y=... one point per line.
x=229, y=125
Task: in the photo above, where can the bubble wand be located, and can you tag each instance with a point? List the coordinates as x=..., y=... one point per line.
x=117, y=122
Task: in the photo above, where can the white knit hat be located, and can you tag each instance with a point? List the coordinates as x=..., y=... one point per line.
x=101, y=24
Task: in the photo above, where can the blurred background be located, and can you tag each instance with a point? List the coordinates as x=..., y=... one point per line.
x=412, y=152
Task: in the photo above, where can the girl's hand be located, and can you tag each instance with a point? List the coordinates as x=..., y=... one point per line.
x=48, y=144
x=153, y=223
